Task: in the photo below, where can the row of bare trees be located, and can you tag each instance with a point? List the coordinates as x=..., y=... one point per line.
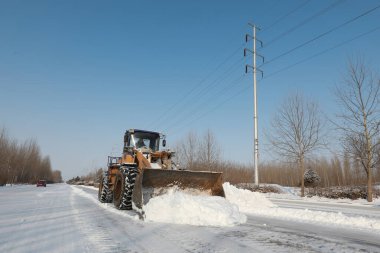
x=91, y=178
x=194, y=150
x=334, y=171
x=23, y=162
x=299, y=130
x=296, y=130
x=202, y=153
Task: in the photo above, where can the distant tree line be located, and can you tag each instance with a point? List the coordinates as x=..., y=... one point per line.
x=24, y=163
x=202, y=152
x=91, y=178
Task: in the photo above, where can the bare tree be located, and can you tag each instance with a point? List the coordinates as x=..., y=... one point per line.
x=4, y=154
x=347, y=175
x=22, y=163
x=360, y=118
x=209, y=152
x=295, y=131
x=187, y=151
x=198, y=153
x=57, y=176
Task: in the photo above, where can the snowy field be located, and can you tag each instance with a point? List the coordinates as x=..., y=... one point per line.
x=64, y=218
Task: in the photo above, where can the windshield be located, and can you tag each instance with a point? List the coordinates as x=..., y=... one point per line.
x=147, y=140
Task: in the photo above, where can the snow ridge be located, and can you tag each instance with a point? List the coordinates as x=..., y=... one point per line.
x=256, y=203
x=181, y=208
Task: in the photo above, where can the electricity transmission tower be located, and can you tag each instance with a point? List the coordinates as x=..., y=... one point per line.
x=255, y=70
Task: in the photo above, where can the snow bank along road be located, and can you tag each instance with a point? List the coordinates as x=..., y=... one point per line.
x=63, y=218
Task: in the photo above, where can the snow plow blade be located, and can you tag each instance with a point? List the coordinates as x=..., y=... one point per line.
x=154, y=182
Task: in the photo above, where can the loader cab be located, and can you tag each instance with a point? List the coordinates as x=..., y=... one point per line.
x=142, y=139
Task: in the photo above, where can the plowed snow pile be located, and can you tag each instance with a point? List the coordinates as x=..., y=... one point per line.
x=182, y=208
x=246, y=200
x=256, y=203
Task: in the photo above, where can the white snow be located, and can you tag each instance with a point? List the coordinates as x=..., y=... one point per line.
x=320, y=217
x=182, y=208
x=179, y=207
x=246, y=200
x=295, y=192
x=62, y=218
x=256, y=203
x=109, y=206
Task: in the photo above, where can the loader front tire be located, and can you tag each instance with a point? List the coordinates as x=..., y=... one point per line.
x=104, y=193
x=124, y=184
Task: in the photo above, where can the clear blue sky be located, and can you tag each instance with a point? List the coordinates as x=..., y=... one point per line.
x=74, y=75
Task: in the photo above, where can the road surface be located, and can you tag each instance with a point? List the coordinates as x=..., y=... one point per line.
x=63, y=218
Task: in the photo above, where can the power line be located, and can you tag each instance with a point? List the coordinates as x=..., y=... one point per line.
x=322, y=35
x=207, y=88
x=303, y=44
x=281, y=70
x=304, y=22
x=285, y=16
x=239, y=80
x=178, y=112
x=165, y=115
x=180, y=116
x=322, y=52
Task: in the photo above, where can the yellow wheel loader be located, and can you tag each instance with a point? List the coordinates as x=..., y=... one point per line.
x=144, y=171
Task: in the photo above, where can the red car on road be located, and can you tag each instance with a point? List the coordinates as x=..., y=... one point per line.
x=41, y=183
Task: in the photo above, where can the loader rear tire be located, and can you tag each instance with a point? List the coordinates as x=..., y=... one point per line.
x=124, y=184
x=104, y=193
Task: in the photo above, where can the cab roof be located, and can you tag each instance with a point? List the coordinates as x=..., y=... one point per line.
x=141, y=131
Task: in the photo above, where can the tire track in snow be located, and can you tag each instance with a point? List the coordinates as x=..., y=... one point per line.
x=129, y=238
x=259, y=234
x=96, y=234
x=308, y=237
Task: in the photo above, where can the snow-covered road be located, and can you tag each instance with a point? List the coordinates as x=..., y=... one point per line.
x=348, y=209
x=63, y=218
